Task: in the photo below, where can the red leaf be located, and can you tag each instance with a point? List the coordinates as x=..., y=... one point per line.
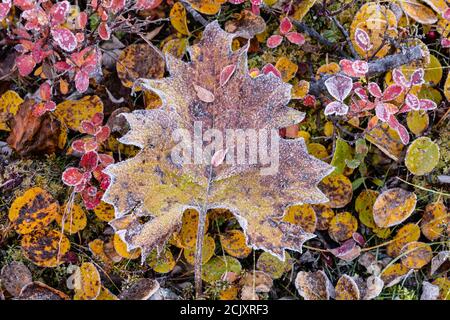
x=346, y=67
x=45, y=91
x=104, y=31
x=270, y=68
x=374, y=90
x=89, y=161
x=148, y=4
x=337, y=108
x=358, y=238
x=400, y=79
x=81, y=81
x=25, y=63
x=25, y=4
x=72, y=176
x=62, y=66
x=102, y=134
x=412, y=102
x=446, y=14
x=274, y=41
x=382, y=112
x=417, y=78
x=392, y=92
x=78, y=146
x=59, y=11
x=4, y=9
x=401, y=130
x=65, y=39
x=106, y=159
x=285, y=25
x=362, y=39
x=97, y=119
x=309, y=100
x=226, y=74
x=90, y=202
x=81, y=20
x=426, y=104
x=360, y=67
x=88, y=127
x=362, y=94
x=339, y=86
x=236, y=1
x=295, y=38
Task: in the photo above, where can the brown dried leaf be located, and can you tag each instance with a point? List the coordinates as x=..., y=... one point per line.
x=14, y=277
x=40, y=291
x=314, y=285
x=143, y=289
x=435, y=220
x=151, y=184
x=246, y=24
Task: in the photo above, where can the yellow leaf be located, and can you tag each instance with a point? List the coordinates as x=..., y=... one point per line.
x=447, y=87
x=439, y=5
x=87, y=284
x=45, y=248
x=71, y=218
x=434, y=221
x=273, y=266
x=175, y=47
x=209, y=7
x=302, y=215
x=342, y=226
x=393, y=274
x=209, y=246
x=162, y=262
x=416, y=254
x=317, y=150
x=364, y=206
x=121, y=249
x=347, y=289
x=387, y=140
x=97, y=247
x=417, y=121
x=393, y=206
x=302, y=8
x=444, y=288
x=314, y=285
x=234, y=243
x=73, y=112
x=9, y=104
x=32, y=211
x=338, y=189
x=300, y=89
x=433, y=71
x=324, y=215
x=287, y=68
x=188, y=232
x=104, y=211
x=327, y=69
x=406, y=234
x=105, y=294
x=178, y=18
x=419, y=12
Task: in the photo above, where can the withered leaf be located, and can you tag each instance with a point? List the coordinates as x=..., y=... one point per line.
x=153, y=185
x=314, y=285
x=40, y=291
x=14, y=277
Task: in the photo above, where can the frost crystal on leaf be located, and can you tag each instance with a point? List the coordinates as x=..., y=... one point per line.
x=152, y=185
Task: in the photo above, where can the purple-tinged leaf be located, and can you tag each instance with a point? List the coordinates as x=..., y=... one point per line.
x=274, y=41
x=25, y=63
x=339, y=86
x=72, y=176
x=426, y=104
x=400, y=79
x=417, y=78
x=336, y=107
x=348, y=251
x=270, y=68
x=412, y=102
x=226, y=73
x=362, y=39
x=374, y=90
x=59, y=11
x=392, y=92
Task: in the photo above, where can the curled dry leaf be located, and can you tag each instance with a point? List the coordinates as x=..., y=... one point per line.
x=347, y=289
x=373, y=287
x=151, y=184
x=418, y=11
x=40, y=291
x=14, y=277
x=393, y=206
x=429, y=291
x=139, y=61
x=32, y=211
x=246, y=25
x=34, y=135
x=314, y=285
x=438, y=261
x=416, y=254
x=142, y=289
x=45, y=247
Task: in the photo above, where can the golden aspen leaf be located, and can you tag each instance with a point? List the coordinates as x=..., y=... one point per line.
x=393, y=206
x=435, y=220
x=342, y=226
x=433, y=94
x=304, y=134
x=62, y=138
x=318, y=150
x=105, y=294
x=443, y=27
x=301, y=8
x=230, y=293
x=364, y=206
x=387, y=140
x=178, y=18
x=417, y=121
x=302, y=215
x=377, y=21
x=416, y=254
x=300, y=89
x=154, y=188
x=110, y=251
x=418, y=11
x=175, y=47
x=347, y=289
x=188, y=232
x=324, y=215
x=45, y=248
x=327, y=69
x=234, y=243
x=382, y=233
x=34, y=210
x=121, y=249
x=447, y=87
x=209, y=246
x=104, y=211
x=338, y=190
x=444, y=288
x=151, y=100
x=87, y=283
x=9, y=105
x=209, y=7
x=393, y=274
x=287, y=68
x=162, y=262
x=422, y=156
x=73, y=112
x=273, y=266
x=71, y=218
x=139, y=61
x=433, y=71
x=314, y=285
x=328, y=129
x=40, y=291
x=406, y=234
x=215, y=268
x=97, y=247
x=112, y=144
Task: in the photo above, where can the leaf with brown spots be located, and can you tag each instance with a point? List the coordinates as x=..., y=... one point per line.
x=324, y=215
x=71, y=218
x=87, y=283
x=45, y=248
x=162, y=262
x=14, y=277
x=435, y=221
x=234, y=243
x=272, y=265
x=406, y=234
x=394, y=273
x=121, y=248
x=314, y=285
x=393, y=206
x=153, y=185
x=246, y=24
x=347, y=289
x=302, y=215
x=364, y=206
x=9, y=105
x=32, y=211
x=338, y=189
x=342, y=226
x=416, y=254
x=40, y=291
x=104, y=211
x=139, y=61
x=208, y=248
x=72, y=112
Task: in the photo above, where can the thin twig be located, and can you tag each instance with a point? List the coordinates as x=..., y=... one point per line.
x=346, y=36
